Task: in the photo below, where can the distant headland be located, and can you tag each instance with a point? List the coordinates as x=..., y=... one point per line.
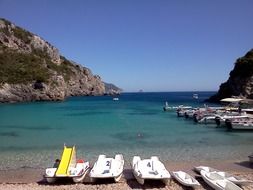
x=31, y=69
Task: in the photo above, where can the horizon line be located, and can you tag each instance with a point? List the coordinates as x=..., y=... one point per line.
x=168, y=91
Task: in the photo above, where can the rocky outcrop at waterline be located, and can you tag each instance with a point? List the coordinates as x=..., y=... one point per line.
x=111, y=89
x=240, y=82
x=31, y=69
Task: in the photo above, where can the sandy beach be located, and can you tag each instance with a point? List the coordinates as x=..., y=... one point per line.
x=29, y=178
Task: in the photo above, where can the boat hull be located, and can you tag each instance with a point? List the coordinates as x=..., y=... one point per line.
x=50, y=179
x=108, y=168
x=219, y=183
x=149, y=169
x=80, y=179
x=141, y=180
x=192, y=182
x=116, y=178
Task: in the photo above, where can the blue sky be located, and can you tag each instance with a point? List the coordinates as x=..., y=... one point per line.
x=154, y=45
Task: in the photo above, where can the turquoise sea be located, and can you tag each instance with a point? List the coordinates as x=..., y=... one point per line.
x=33, y=134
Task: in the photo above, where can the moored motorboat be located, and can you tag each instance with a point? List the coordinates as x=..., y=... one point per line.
x=108, y=168
x=183, y=110
x=68, y=167
x=200, y=113
x=208, y=119
x=166, y=107
x=151, y=168
x=185, y=179
x=189, y=113
x=245, y=123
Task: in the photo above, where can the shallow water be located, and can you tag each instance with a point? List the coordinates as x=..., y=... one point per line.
x=33, y=134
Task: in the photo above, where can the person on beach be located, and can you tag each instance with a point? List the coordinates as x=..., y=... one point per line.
x=57, y=163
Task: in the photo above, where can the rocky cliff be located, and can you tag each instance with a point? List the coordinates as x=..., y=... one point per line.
x=240, y=82
x=31, y=69
x=111, y=89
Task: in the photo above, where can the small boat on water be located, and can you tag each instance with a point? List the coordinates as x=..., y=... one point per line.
x=115, y=99
x=218, y=182
x=201, y=113
x=166, y=107
x=218, y=116
x=245, y=123
x=68, y=167
x=185, y=179
x=195, y=96
x=108, y=168
x=151, y=168
x=184, y=111
x=208, y=119
x=205, y=114
x=221, y=118
x=189, y=113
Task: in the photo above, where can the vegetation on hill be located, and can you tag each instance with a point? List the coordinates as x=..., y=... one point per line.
x=17, y=67
x=240, y=80
x=31, y=69
x=18, y=32
x=243, y=66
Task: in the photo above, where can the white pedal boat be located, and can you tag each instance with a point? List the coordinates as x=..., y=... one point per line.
x=151, y=168
x=218, y=182
x=205, y=168
x=108, y=168
x=68, y=167
x=236, y=180
x=185, y=179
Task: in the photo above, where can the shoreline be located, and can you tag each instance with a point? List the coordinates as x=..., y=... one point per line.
x=31, y=178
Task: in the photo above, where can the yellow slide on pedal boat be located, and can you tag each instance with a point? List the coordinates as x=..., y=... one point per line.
x=68, y=167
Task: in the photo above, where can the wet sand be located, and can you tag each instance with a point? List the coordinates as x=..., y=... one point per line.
x=29, y=178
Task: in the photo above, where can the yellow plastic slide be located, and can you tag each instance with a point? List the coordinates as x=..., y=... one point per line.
x=67, y=159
